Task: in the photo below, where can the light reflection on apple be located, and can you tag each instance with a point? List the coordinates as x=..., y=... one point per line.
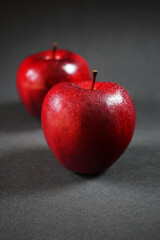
x=70, y=68
x=47, y=57
x=57, y=103
x=115, y=99
x=32, y=75
x=57, y=57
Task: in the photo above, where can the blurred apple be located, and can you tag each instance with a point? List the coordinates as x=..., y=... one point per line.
x=39, y=72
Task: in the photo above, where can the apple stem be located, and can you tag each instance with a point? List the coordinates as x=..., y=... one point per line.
x=94, y=73
x=54, y=47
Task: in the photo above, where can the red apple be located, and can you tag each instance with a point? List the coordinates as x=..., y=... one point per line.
x=88, y=126
x=39, y=72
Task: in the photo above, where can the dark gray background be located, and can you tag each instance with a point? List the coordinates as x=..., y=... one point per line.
x=39, y=199
x=119, y=39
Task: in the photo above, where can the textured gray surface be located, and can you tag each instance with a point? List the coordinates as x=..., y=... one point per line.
x=39, y=199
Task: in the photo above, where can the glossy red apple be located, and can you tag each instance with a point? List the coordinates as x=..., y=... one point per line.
x=88, y=126
x=39, y=72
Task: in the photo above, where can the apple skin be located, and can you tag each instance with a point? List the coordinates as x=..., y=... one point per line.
x=87, y=130
x=39, y=72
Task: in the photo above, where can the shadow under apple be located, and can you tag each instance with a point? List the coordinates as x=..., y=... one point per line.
x=15, y=118
x=27, y=171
